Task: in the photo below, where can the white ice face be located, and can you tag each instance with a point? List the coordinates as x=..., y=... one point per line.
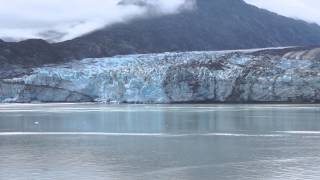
x=171, y=77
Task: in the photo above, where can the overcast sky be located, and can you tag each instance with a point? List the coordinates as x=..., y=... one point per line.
x=308, y=10
x=66, y=19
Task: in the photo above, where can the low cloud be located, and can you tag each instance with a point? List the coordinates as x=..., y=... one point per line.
x=60, y=20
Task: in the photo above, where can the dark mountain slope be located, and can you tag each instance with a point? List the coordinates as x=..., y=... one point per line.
x=33, y=51
x=213, y=25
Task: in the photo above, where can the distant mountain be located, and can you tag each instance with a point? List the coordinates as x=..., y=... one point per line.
x=28, y=53
x=211, y=25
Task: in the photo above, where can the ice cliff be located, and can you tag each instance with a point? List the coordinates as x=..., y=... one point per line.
x=222, y=76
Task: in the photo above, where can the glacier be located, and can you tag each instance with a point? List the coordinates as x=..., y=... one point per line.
x=239, y=76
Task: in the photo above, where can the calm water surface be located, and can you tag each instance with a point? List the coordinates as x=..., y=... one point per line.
x=171, y=142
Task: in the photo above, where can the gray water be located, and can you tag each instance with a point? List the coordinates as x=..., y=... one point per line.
x=129, y=142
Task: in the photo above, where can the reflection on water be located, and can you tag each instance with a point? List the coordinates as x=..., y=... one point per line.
x=87, y=141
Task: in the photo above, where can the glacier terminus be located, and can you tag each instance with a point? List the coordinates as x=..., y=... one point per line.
x=261, y=75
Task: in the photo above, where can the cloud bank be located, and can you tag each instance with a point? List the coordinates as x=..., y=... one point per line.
x=307, y=10
x=60, y=20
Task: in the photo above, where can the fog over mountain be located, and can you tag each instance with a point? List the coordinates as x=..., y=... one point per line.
x=59, y=20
